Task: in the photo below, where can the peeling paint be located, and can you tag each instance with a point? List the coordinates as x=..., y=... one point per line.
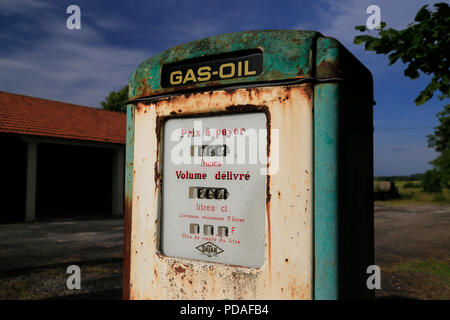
x=287, y=55
x=288, y=235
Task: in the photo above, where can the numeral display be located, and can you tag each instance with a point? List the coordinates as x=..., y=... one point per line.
x=210, y=151
x=208, y=193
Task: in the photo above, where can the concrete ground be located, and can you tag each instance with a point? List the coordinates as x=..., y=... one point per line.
x=412, y=246
x=34, y=258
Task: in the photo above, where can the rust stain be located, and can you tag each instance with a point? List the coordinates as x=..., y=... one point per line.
x=180, y=269
x=269, y=135
x=268, y=195
x=244, y=108
x=127, y=250
x=226, y=281
x=157, y=177
x=159, y=121
x=328, y=69
x=269, y=237
x=307, y=92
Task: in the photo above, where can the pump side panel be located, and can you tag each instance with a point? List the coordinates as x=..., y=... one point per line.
x=287, y=272
x=128, y=200
x=326, y=192
x=343, y=120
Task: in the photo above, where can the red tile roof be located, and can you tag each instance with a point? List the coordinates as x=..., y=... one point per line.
x=35, y=116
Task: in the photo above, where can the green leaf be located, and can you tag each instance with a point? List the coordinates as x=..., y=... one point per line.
x=362, y=39
x=116, y=101
x=423, y=46
x=373, y=44
x=361, y=28
x=422, y=14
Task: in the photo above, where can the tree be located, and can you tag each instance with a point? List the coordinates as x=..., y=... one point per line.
x=442, y=163
x=431, y=181
x=440, y=141
x=424, y=45
x=116, y=101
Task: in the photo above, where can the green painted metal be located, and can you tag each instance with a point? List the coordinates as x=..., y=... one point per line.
x=288, y=54
x=328, y=58
x=343, y=170
x=343, y=219
x=326, y=190
x=129, y=156
x=129, y=162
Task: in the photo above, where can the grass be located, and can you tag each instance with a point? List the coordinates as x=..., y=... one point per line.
x=417, y=279
x=437, y=268
x=417, y=196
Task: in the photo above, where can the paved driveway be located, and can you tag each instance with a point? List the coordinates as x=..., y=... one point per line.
x=34, y=258
x=412, y=247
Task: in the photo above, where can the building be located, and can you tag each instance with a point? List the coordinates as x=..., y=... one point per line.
x=59, y=160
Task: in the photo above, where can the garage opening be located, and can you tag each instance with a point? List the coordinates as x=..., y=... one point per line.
x=13, y=178
x=73, y=181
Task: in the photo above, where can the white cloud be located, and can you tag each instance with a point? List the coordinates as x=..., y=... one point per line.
x=339, y=18
x=14, y=63
x=81, y=66
x=111, y=22
x=23, y=7
x=77, y=66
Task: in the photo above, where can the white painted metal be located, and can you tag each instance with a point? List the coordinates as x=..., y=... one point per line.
x=242, y=212
x=287, y=271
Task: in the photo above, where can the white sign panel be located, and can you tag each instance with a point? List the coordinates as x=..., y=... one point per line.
x=214, y=188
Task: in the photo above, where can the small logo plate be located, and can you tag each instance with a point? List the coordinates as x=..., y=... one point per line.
x=209, y=249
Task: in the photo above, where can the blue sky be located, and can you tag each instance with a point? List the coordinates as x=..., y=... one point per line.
x=40, y=57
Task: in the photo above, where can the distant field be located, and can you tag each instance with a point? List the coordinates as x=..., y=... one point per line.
x=417, y=196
